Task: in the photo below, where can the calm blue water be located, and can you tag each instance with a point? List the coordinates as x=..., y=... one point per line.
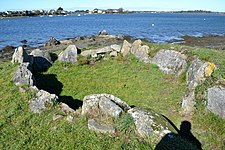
x=154, y=27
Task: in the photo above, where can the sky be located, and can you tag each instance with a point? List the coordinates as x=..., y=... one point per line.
x=152, y=5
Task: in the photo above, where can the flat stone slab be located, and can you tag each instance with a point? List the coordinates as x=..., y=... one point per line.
x=97, y=127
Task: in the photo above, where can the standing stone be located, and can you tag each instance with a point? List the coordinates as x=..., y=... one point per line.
x=196, y=73
x=148, y=122
x=216, y=100
x=42, y=102
x=125, y=48
x=135, y=46
x=24, y=75
x=41, y=60
x=170, y=61
x=20, y=55
x=188, y=103
x=142, y=53
x=69, y=55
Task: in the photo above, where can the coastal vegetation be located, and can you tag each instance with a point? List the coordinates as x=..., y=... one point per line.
x=135, y=82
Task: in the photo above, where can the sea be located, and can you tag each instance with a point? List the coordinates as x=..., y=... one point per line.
x=155, y=27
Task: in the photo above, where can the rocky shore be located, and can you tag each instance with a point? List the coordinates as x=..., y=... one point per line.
x=210, y=41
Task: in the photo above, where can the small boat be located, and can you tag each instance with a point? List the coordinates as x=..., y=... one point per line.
x=78, y=15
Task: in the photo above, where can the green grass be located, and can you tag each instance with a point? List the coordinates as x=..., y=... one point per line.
x=134, y=82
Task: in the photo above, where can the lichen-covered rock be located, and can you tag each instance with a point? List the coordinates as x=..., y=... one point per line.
x=41, y=60
x=196, y=73
x=42, y=102
x=216, y=100
x=125, y=48
x=20, y=55
x=148, y=122
x=69, y=55
x=97, y=127
x=104, y=103
x=170, y=61
x=209, y=69
x=24, y=75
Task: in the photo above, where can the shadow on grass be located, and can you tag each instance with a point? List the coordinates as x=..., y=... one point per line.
x=72, y=103
x=49, y=83
x=184, y=140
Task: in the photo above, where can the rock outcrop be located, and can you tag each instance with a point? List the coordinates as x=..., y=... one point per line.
x=41, y=60
x=52, y=42
x=24, y=75
x=97, y=127
x=148, y=122
x=20, y=55
x=141, y=52
x=216, y=100
x=69, y=55
x=103, y=32
x=170, y=61
x=105, y=104
x=42, y=102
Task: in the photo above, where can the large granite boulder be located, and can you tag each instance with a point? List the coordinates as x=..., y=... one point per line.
x=41, y=60
x=69, y=55
x=216, y=100
x=148, y=122
x=105, y=104
x=52, y=42
x=170, y=61
x=196, y=73
x=20, y=55
x=96, y=52
x=125, y=48
x=42, y=102
x=24, y=75
x=97, y=127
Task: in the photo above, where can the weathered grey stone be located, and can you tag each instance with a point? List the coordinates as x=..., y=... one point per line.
x=188, y=103
x=196, y=73
x=91, y=103
x=103, y=32
x=109, y=107
x=69, y=118
x=65, y=108
x=116, y=47
x=52, y=42
x=148, y=122
x=24, y=75
x=96, y=51
x=66, y=42
x=69, y=55
x=43, y=101
x=41, y=60
x=142, y=53
x=125, y=48
x=170, y=61
x=97, y=127
x=20, y=55
x=216, y=100
x=113, y=54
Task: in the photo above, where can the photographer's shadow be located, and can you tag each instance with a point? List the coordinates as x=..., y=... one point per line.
x=184, y=140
